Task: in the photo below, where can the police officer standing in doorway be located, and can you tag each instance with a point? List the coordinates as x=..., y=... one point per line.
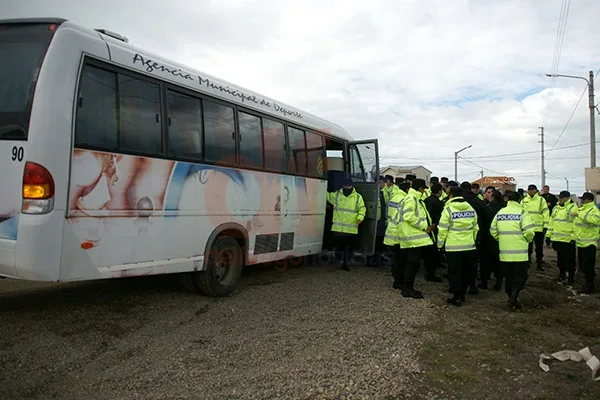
x=348, y=212
x=514, y=230
x=457, y=233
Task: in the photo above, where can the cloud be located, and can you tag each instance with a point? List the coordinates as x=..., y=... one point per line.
x=425, y=77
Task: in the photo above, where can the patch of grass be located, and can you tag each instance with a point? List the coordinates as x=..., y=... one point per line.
x=483, y=350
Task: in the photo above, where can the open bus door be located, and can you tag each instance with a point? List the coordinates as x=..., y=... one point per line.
x=363, y=165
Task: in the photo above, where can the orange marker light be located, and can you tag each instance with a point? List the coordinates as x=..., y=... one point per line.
x=87, y=245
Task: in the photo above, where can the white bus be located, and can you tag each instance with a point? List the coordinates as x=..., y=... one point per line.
x=115, y=162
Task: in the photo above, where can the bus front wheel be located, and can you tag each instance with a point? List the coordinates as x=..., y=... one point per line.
x=223, y=268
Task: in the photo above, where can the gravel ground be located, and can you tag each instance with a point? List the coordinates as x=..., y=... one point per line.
x=310, y=332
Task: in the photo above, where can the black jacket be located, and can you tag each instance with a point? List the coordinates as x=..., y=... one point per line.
x=551, y=200
x=435, y=207
x=483, y=214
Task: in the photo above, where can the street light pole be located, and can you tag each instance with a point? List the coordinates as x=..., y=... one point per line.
x=567, y=184
x=456, y=161
x=590, y=84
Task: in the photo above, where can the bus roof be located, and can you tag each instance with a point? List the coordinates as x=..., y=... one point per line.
x=148, y=63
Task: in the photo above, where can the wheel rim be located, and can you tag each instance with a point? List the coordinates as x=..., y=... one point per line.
x=224, y=266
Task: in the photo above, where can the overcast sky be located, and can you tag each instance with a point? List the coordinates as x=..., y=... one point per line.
x=425, y=77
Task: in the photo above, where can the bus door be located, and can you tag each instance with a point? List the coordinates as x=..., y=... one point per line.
x=363, y=166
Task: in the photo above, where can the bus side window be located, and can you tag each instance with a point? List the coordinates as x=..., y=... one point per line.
x=185, y=126
x=141, y=128
x=274, y=140
x=96, y=121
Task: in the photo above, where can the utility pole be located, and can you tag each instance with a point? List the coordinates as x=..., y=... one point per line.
x=456, y=161
x=590, y=84
x=481, y=177
x=543, y=167
x=567, y=184
x=592, y=121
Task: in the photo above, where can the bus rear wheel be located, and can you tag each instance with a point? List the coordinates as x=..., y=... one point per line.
x=223, y=268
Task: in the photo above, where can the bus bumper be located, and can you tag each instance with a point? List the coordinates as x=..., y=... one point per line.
x=7, y=258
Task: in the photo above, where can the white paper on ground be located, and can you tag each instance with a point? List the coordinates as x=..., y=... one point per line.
x=577, y=356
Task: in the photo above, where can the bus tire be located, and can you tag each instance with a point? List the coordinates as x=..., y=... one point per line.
x=223, y=268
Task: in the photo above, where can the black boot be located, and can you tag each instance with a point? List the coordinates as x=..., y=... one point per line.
x=589, y=288
x=409, y=291
x=513, y=300
x=540, y=265
x=455, y=301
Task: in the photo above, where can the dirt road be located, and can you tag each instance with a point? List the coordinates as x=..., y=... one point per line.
x=313, y=332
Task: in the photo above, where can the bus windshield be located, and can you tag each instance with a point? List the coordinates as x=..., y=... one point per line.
x=22, y=49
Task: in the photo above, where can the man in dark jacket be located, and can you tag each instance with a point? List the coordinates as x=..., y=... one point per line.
x=490, y=253
x=482, y=220
x=432, y=256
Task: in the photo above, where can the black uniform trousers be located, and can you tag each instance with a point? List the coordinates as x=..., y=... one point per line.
x=490, y=259
x=345, y=244
x=515, y=273
x=539, y=247
x=460, y=271
x=587, y=263
x=413, y=262
x=400, y=259
x=566, y=255
x=431, y=259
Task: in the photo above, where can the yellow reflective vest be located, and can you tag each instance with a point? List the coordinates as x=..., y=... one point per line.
x=457, y=229
x=587, y=225
x=414, y=221
x=444, y=194
x=514, y=229
x=537, y=208
x=561, y=227
x=389, y=191
x=391, y=237
x=347, y=211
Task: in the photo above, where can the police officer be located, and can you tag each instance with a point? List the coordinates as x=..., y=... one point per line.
x=378, y=258
x=414, y=234
x=537, y=208
x=392, y=239
x=348, y=212
x=514, y=229
x=561, y=233
x=587, y=221
x=457, y=233
x=389, y=188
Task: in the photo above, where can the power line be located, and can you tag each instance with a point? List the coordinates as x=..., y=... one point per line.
x=560, y=35
x=488, y=156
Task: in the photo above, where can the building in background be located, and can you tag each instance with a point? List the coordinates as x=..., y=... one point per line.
x=399, y=171
x=501, y=183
